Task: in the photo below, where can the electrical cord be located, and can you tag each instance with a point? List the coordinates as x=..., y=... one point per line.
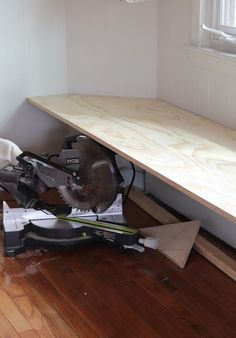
x=131, y=183
x=5, y=189
x=128, y=168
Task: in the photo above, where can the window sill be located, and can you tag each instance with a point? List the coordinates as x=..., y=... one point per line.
x=212, y=60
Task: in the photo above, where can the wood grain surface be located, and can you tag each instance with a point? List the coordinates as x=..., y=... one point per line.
x=191, y=153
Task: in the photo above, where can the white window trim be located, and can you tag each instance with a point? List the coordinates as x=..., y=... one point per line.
x=199, y=17
x=196, y=22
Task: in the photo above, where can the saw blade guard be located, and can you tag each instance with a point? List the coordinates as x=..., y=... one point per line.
x=97, y=181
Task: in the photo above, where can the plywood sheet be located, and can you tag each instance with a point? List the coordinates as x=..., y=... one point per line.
x=191, y=153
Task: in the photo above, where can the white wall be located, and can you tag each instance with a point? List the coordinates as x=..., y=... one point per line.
x=32, y=62
x=112, y=50
x=112, y=47
x=201, y=84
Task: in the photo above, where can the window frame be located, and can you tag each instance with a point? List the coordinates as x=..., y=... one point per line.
x=218, y=19
x=207, y=12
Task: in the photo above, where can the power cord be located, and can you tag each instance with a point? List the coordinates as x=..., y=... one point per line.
x=131, y=183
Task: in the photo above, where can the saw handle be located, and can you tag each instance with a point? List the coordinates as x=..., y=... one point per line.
x=69, y=140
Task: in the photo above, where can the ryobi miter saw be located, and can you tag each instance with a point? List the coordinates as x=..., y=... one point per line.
x=87, y=177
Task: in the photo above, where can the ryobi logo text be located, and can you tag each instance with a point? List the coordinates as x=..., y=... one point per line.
x=72, y=161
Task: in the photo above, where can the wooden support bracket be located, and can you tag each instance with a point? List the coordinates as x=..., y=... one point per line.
x=202, y=245
x=175, y=240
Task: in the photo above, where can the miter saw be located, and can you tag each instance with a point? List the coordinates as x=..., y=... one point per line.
x=87, y=177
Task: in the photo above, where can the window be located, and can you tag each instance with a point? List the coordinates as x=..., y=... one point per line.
x=227, y=16
x=216, y=25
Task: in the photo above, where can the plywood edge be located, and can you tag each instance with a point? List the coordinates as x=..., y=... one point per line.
x=203, y=246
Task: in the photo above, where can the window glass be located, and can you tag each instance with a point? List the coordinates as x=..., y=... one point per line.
x=228, y=13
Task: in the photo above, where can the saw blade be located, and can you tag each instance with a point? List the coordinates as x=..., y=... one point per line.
x=97, y=184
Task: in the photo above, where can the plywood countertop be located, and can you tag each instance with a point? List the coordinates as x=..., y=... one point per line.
x=192, y=154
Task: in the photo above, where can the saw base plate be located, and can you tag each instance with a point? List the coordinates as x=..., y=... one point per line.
x=25, y=228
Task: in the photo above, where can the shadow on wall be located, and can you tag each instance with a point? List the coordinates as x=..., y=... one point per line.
x=34, y=130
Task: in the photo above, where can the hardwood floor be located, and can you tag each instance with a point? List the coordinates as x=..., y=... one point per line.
x=100, y=291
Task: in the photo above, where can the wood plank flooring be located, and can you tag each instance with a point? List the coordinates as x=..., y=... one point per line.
x=100, y=291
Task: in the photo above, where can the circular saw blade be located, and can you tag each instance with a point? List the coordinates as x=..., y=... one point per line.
x=98, y=184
